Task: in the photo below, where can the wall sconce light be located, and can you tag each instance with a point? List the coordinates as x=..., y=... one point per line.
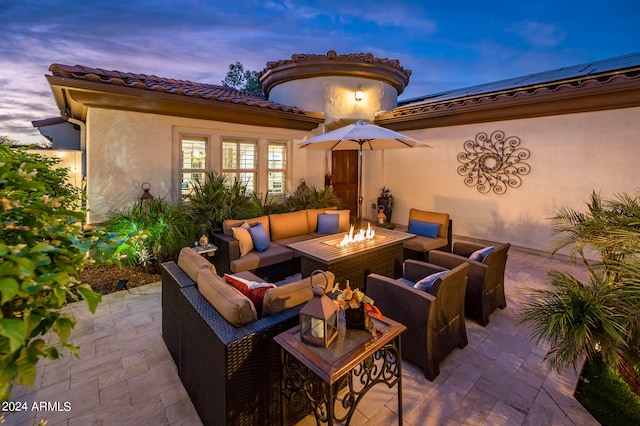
x=359, y=93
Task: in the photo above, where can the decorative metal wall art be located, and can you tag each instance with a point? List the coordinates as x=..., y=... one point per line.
x=493, y=163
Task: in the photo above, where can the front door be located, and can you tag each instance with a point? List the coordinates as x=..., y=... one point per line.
x=344, y=166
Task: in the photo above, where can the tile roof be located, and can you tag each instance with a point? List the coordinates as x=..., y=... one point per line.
x=596, y=73
x=305, y=65
x=332, y=55
x=167, y=85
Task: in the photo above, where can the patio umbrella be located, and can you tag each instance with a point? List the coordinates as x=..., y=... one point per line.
x=361, y=136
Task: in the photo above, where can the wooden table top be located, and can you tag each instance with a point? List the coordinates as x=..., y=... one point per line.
x=344, y=353
x=324, y=249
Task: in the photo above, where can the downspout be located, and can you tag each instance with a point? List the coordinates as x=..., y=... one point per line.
x=83, y=149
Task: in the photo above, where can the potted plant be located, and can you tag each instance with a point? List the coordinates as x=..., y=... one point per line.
x=357, y=307
x=385, y=203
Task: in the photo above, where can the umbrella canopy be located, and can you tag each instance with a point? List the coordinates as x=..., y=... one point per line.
x=361, y=136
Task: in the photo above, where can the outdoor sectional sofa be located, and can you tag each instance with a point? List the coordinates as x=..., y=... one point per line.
x=277, y=261
x=231, y=372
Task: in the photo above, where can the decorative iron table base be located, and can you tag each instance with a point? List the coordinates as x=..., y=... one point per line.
x=335, y=379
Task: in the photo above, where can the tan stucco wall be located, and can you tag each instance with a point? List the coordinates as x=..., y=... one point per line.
x=335, y=97
x=126, y=149
x=571, y=155
x=68, y=159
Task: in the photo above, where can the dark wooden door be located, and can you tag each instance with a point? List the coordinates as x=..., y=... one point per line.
x=344, y=165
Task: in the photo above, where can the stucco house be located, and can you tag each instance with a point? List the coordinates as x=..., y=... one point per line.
x=567, y=132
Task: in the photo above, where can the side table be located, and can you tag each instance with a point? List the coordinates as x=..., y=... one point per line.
x=208, y=250
x=340, y=375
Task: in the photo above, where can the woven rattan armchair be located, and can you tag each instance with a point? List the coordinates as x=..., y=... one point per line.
x=434, y=319
x=485, y=288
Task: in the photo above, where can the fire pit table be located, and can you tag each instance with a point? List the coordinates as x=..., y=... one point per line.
x=382, y=254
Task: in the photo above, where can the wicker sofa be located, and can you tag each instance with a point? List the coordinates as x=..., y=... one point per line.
x=277, y=261
x=230, y=373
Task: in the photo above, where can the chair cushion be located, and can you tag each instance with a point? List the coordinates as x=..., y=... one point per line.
x=426, y=229
x=241, y=233
x=229, y=302
x=433, y=217
x=328, y=223
x=480, y=254
x=344, y=222
x=191, y=263
x=260, y=237
x=420, y=243
x=426, y=283
x=285, y=225
x=252, y=289
x=289, y=295
x=254, y=260
x=228, y=224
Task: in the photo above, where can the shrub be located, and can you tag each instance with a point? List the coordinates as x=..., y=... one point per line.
x=43, y=248
x=599, y=318
x=155, y=231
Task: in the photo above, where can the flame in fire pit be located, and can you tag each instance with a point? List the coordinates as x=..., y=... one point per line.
x=360, y=236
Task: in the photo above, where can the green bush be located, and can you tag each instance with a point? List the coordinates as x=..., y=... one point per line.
x=606, y=396
x=312, y=198
x=43, y=248
x=156, y=231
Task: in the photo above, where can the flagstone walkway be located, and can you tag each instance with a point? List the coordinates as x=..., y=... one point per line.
x=125, y=375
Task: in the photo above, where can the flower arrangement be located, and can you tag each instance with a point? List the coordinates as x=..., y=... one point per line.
x=385, y=192
x=354, y=299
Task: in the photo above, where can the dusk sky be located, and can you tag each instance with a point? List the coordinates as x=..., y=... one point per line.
x=446, y=45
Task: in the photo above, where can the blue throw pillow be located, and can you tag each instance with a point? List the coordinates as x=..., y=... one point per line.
x=260, y=237
x=328, y=223
x=426, y=283
x=479, y=255
x=406, y=282
x=426, y=229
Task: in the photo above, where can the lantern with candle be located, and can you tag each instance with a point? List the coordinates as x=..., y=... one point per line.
x=319, y=319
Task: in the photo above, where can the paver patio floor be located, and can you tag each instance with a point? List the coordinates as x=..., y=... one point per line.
x=125, y=375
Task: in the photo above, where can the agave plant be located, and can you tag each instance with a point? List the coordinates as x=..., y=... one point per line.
x=598, y=318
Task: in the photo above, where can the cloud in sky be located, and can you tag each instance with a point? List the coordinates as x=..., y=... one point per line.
x=196, y=40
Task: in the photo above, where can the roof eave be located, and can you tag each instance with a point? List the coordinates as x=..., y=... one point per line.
x=75, y=97
x=619, y=93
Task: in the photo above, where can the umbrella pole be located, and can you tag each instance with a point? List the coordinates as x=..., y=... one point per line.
x=360, y=183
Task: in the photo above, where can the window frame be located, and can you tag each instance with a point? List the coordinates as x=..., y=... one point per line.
x=284, y=170
x=235, y=172
x=192, y=170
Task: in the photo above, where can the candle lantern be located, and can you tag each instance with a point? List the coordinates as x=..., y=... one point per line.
x=319, y=318
x=146, y=195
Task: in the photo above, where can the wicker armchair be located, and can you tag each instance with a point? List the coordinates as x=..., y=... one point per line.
x=434, y=319
x=485, y=288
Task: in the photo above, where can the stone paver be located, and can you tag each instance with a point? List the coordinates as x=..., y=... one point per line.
x=125, y=375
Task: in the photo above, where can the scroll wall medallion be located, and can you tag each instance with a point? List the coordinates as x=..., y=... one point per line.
x=493, y=163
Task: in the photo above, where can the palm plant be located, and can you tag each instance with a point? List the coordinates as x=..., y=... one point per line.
x=312, y=198
x=239, y=202
x=206, y=201
x=598, y=318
